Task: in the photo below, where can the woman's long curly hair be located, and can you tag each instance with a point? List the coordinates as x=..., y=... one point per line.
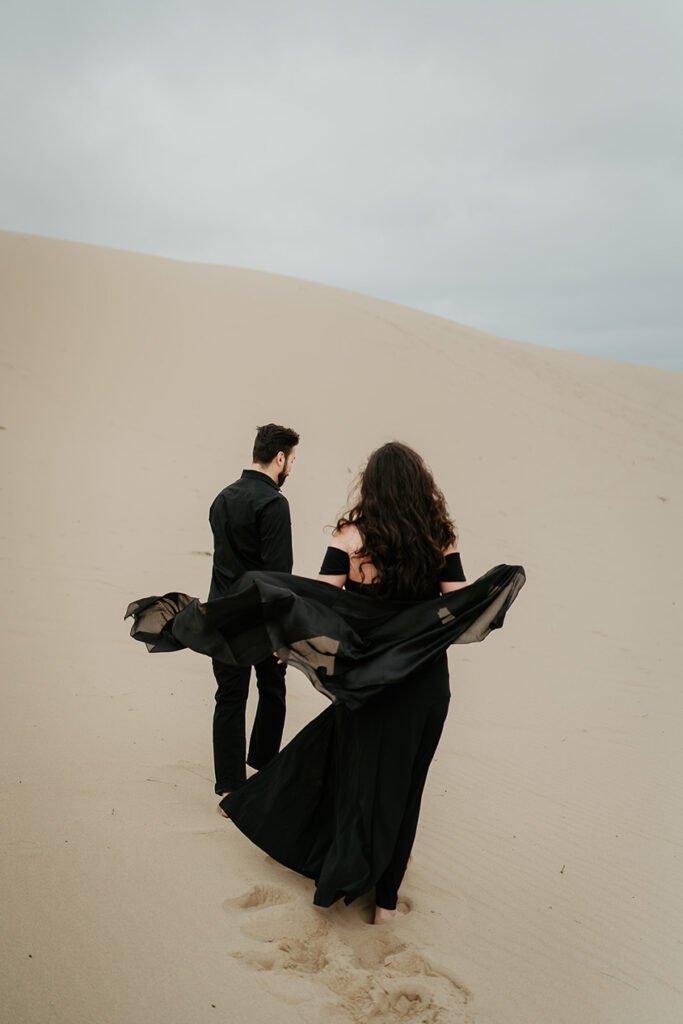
x=403, y=520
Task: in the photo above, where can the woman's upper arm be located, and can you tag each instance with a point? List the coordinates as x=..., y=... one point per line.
x=336, y=559
x=448, y=586
x=336, y=581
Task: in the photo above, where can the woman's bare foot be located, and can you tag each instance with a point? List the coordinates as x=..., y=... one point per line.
x=220, y=809
x=382, y=915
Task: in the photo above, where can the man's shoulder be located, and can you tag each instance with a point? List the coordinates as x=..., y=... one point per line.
x=251, y=487
x=277, y=499
x=228, y=490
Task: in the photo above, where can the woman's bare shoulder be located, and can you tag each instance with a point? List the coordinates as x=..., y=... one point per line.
x=452, y=549
x=347, y=538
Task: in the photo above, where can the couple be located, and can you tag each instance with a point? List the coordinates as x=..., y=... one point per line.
x=340, y=803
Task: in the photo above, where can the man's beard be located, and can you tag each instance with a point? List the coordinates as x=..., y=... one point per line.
x=282, y=476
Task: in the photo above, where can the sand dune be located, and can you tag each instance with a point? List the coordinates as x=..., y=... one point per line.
x=546, y=880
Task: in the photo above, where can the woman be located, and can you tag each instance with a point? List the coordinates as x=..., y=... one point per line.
x=340, y=803
x=397, y=543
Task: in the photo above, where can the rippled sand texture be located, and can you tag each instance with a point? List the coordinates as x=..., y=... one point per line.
x=545, y=884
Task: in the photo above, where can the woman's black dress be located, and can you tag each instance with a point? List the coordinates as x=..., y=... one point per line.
x=340, y=802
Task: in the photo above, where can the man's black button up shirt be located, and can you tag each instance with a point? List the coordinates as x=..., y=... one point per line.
x=251, y=530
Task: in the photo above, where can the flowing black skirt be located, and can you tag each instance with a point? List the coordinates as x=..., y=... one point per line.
x=332, y=805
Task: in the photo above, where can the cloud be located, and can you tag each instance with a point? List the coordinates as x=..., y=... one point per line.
x=511, y=166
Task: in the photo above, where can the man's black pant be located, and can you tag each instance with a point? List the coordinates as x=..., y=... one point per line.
x=229, y=728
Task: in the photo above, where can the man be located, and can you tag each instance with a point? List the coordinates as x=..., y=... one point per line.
x=251, y=530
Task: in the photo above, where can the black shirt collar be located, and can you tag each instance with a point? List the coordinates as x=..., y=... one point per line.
x=255, y=474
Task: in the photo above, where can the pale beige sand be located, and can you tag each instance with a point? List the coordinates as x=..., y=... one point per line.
x=545, y=884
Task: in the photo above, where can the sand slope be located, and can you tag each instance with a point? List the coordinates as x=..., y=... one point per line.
x=546, y=877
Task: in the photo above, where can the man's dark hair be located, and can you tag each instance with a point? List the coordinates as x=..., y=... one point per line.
x=271, y=439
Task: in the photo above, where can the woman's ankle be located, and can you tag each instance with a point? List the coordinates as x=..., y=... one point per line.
x=386, y=914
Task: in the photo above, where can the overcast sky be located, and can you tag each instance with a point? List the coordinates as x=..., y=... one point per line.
x=515, y=166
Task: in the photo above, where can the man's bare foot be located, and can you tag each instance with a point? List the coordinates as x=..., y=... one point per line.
x=382, y=915
x=220, y=809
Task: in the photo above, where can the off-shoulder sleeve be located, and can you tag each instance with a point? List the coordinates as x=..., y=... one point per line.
x=452, y=571
x=335, y=563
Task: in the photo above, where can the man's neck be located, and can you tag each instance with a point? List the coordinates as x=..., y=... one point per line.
x=270, y=471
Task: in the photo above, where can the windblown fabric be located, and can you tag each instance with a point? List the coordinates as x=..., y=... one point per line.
x=340, y=802
x=351, y=646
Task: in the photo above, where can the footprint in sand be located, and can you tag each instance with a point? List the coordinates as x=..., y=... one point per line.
x=327, y=962
x=259, y=897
